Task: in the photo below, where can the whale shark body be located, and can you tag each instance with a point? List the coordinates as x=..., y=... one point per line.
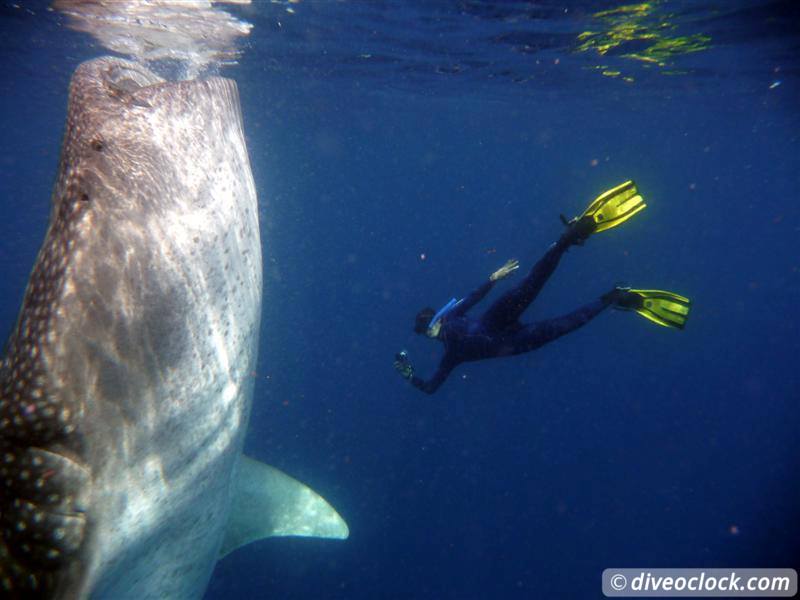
x=127, y=380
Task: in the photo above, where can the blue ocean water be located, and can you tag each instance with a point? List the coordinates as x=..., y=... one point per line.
x=403, y=151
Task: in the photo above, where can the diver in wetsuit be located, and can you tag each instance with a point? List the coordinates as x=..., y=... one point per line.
x=498, y=332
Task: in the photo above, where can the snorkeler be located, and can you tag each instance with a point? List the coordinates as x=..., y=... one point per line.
x=498, y=332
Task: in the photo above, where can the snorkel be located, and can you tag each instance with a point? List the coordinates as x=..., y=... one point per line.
x=441, y=314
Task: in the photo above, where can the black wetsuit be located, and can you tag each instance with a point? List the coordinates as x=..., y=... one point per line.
x=498, y=331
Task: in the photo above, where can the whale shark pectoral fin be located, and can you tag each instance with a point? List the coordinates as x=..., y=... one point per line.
x=269, y=503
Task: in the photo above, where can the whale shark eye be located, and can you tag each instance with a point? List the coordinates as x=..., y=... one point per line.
x=97, y=145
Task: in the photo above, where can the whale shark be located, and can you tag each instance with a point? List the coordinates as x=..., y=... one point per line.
x=127, y=380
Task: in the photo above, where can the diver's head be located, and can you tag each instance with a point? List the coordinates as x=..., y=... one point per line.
x=423, y=320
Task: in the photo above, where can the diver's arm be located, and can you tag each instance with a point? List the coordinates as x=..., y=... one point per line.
x=430, y=386
x=476, y=296
x=479, y=294
x=403, y=366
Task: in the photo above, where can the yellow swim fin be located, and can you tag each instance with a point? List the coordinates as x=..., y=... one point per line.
x=613, y=207
x=663, y=308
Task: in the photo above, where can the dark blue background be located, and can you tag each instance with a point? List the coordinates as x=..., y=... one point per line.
x=622, y=445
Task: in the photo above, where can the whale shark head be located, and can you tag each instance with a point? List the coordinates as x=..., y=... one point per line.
x=127, y=380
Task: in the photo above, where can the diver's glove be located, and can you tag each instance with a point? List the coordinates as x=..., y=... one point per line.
x=402, y=365
x=507, y=269
x=622, y=297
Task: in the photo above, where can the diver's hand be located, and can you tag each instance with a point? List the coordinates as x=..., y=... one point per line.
x=402, y=365
x=504, y=271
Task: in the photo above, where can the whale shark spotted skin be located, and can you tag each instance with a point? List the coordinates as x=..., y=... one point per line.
x=127, y=381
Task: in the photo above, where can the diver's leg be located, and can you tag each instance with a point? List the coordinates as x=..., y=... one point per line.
x=508, y=308
x=537, y=334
